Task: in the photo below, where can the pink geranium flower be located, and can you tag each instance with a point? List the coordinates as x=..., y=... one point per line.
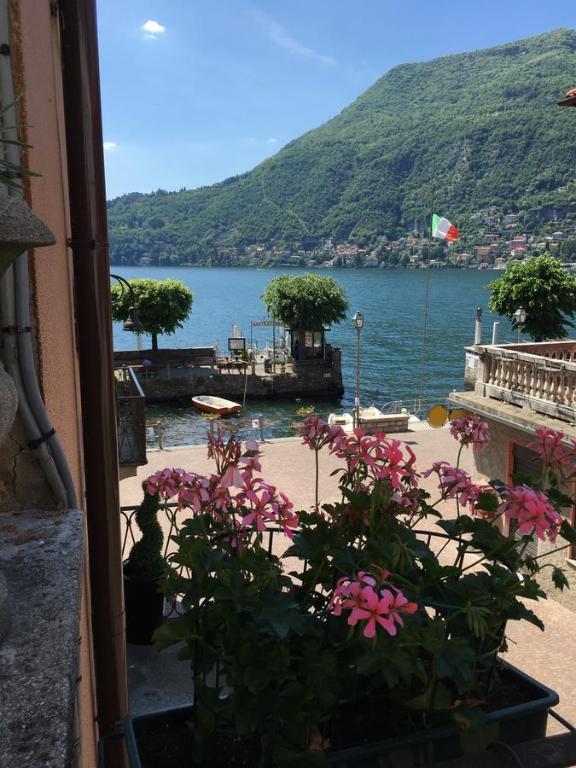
x=532, y=512
x=359, y=596
x=471, y=430
x=549, y=446
x=392, y=465
x=316, y=433
x=379, y=457
x=224, y=448
x=263, y=504
x=384, y=610
x=167, y=482
x=455, y=483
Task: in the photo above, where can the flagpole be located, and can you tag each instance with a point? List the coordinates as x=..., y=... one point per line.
x=426, y=301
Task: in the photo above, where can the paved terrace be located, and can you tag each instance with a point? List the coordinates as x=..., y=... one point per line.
x=549, y=657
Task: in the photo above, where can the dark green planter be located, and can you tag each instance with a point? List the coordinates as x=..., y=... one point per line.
x=144, y=605
x=511, y=725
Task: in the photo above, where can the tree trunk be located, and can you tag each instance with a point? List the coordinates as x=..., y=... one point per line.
x=302, y=343
x=154, y=341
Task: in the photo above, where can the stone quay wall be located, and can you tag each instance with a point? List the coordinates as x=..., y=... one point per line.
x=172, y=375
x=320, y=382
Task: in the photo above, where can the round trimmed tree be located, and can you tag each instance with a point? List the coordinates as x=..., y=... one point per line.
x=162, y=306
x=305, y=303
x=544, y=289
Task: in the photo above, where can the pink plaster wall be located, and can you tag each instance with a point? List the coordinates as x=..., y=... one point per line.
x=37, y=67
x=51, y=268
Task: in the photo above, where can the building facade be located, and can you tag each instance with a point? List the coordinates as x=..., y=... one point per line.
x=519, y=389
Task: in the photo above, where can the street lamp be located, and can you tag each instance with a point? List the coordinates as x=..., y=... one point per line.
x=520, y=320
x=132, y=323
x=358, y=321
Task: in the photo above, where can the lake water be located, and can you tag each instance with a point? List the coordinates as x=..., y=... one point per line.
x=392, y=302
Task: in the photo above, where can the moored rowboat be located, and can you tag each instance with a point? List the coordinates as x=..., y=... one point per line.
x=210, y=404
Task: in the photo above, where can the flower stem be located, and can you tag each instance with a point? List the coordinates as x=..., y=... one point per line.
x=317, y=479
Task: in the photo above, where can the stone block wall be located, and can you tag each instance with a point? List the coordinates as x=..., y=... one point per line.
x=319, y=382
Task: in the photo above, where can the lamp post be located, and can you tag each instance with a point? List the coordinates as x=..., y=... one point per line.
x=520, y=319
x=358, y=321
x=132, y=323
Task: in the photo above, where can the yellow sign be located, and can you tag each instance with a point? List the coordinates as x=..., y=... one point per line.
x=437, y=416
x=457, y=413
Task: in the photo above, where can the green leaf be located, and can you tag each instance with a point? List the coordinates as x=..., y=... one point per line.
x=567, y=532
x=488, y=502
x=477, y=619
x=559, y=579
x=171, y=632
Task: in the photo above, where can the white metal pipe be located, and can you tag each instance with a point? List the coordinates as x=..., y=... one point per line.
x=495, y=332
x=10, y=356
x=478, y=327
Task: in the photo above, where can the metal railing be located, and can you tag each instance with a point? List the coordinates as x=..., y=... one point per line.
x=130, y=419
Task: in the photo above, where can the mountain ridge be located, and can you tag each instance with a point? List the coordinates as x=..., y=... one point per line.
x=469, y=130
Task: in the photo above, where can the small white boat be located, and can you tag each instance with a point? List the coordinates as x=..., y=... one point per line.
x=219, y=405
x=344, y=420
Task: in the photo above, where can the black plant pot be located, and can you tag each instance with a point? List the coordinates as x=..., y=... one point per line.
x=144, y=609
x=512, y=724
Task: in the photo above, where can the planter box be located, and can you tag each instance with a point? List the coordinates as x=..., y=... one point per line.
x=512, y=725
x=144, y=605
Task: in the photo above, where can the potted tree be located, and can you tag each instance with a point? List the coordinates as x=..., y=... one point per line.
x=163, y=305
x=375, y=635
x=143, y=574
x=305, y=304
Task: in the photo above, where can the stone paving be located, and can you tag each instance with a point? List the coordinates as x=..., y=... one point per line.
x=549, y=656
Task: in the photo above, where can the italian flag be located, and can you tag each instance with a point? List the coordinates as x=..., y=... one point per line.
x=443, y=229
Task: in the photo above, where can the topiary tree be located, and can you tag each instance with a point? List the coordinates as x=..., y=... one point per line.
x=162, y=306
x=305, y=303
x=544, y=289
x=145, y=562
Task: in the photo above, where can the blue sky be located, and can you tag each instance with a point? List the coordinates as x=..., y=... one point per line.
x=195, y=91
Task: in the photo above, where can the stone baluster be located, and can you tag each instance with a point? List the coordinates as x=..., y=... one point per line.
x=522, y=378
x=571, y=390
x=536, y=376
x=487, y=369
x=504, y=374
x=495, y=372
x=545, y=381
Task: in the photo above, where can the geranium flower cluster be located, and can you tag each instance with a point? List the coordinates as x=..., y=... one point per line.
x=532, y=512
x=455, y=483
x=316, y=433
x=470, y=430
x=555, y=453
x=224, y=449
x=384, y=459
x=370, y=606
x=263, y=503
x=253, y=505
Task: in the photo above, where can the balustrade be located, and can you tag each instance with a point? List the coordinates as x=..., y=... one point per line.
x=539, y=376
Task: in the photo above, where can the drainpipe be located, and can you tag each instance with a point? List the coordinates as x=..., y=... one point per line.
x=89, y=243
x=15, y=316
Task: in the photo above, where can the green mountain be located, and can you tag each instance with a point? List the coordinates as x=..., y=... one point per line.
x=466, y=131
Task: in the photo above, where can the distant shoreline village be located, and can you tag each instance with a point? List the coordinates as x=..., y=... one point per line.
x=493, y=238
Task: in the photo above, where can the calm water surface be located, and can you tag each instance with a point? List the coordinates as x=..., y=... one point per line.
x=392, y=302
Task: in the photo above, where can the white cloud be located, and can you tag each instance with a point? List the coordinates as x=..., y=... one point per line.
x=272, y=141
x=152, y=29
x=281, y=37
x=110, y=146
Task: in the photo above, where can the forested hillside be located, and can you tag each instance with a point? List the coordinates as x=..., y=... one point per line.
x=472, y=130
